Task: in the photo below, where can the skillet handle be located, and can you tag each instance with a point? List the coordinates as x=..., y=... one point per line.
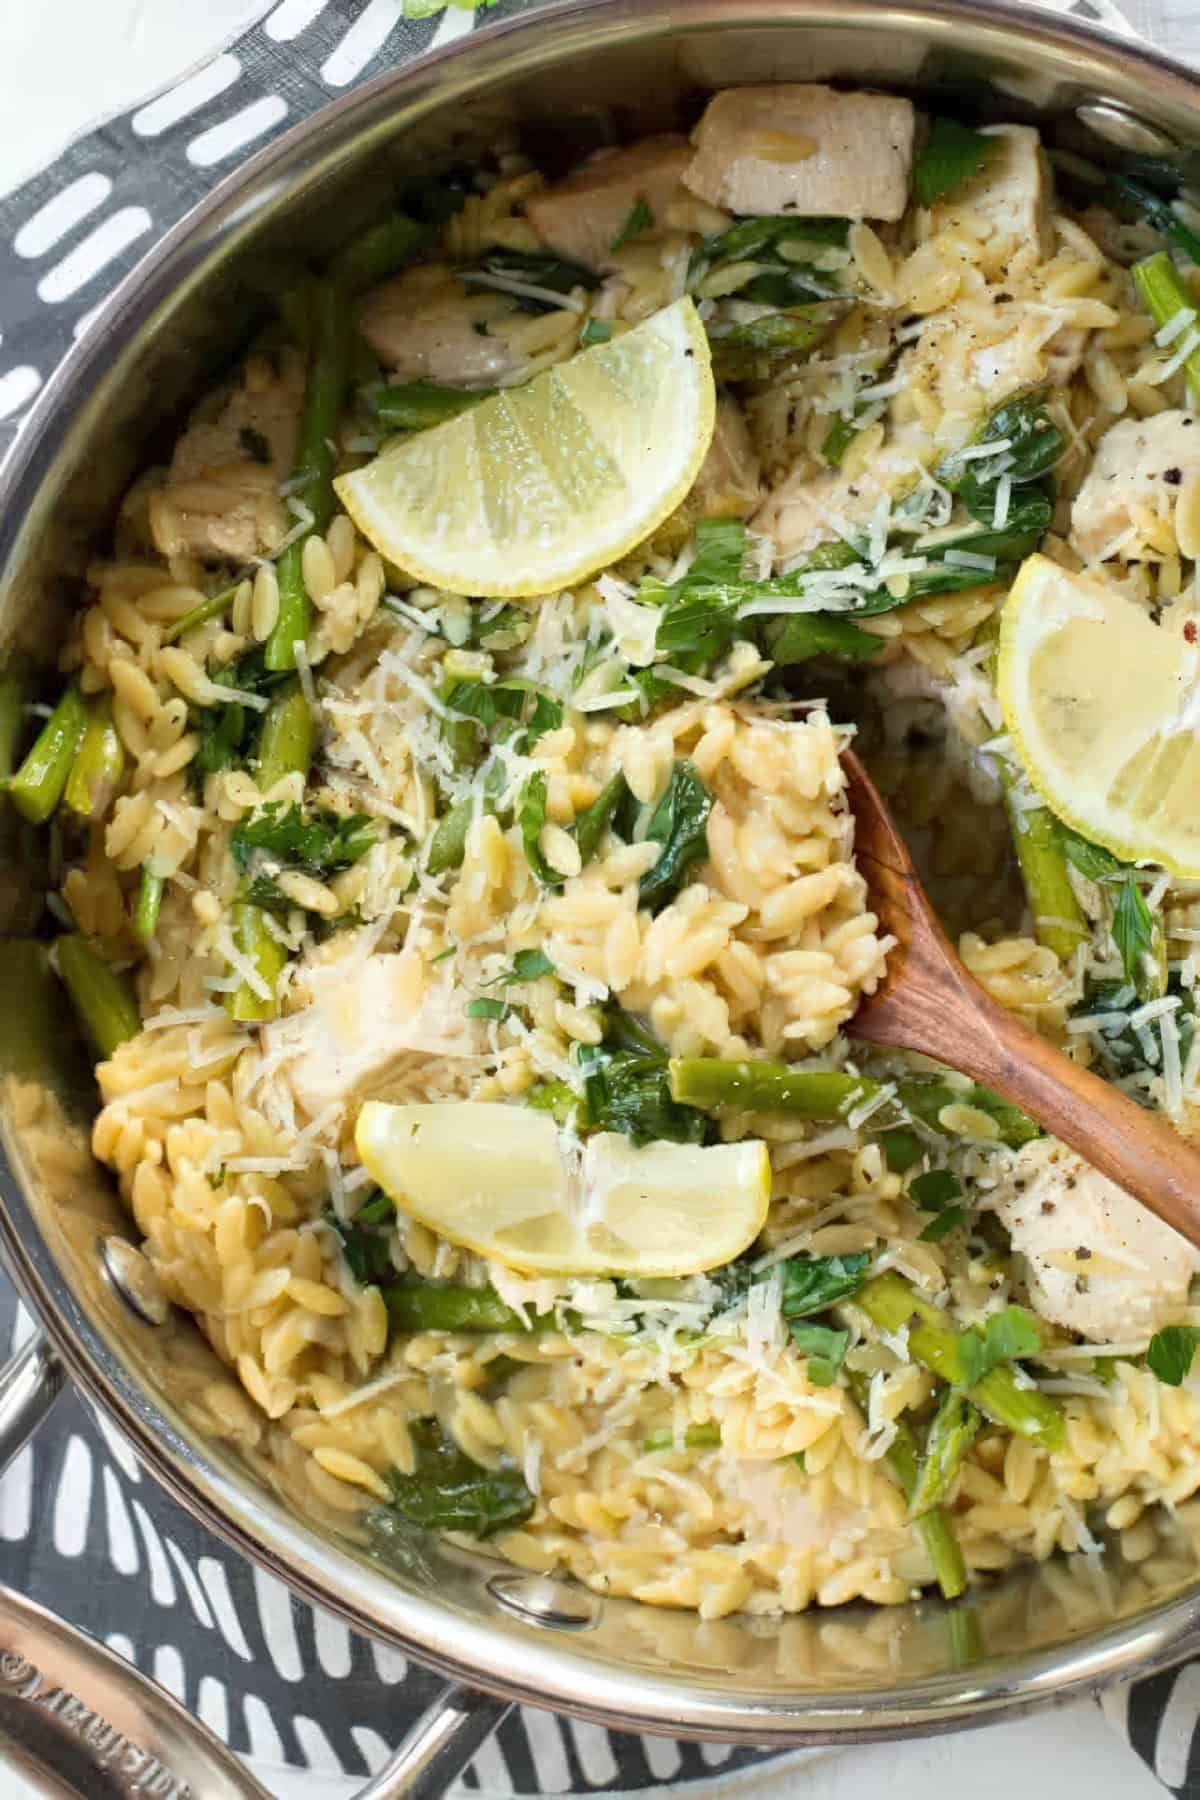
x=438, y=1747
x=30, y=1382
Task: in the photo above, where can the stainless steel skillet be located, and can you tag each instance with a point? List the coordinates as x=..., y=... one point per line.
x=570, y=76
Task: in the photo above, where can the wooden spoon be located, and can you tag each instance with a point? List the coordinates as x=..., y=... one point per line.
x=928, y=1001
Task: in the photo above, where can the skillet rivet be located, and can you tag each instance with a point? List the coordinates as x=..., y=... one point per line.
x=1125, y=130
x=132, y=1277
x=542, y=1600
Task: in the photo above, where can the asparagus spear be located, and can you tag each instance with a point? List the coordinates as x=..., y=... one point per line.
x=415, y=405
x=891, y=1303
x=710, y=1082
x=315, y=461
x=1161, y=287
x=146, y=906
x=285, y=748
x=935, y=1526
x=258, y=943
x=104, y=1000
x=99, y=763
x=420, y=1306
x=37, y=787
x=212, y=608
x=1058, y=918
x=591, y=825
x=696, y=1437
x=286, y=743
x=379, y=251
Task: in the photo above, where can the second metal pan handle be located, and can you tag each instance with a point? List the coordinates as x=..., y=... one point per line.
x=74, y=1687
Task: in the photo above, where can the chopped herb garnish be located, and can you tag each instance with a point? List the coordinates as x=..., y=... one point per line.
x=1170, y=1353
x=487, y=1009
x=901, y=1150
x=364, y=1239
x=596, y=331
x=639, y=218
x=953, y=155
x=1092, y=860
x=627, y=1085
x=812, y=1283
x=935, y=1189
x=449, y=1492
x=531, y=818
x=679, y=823
x=527, y=965
x=1135, y=938
x=1003, y=1337
x=318, y=842
x=951, y=1218
x=824, y=1347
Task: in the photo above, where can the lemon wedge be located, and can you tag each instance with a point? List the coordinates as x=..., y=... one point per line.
x=540, y=486
x=498, y=1180
x=1103, y=707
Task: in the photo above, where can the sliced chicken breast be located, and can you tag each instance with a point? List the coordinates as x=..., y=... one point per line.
x=1133, y=484
x=1096, y=1261
x=582, y=218
x=804, y=148
x=424, y=325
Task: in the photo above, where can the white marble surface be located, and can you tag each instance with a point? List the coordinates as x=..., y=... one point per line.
x=64, y=66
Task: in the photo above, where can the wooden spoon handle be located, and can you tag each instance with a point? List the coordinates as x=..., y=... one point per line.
x=1136, y=1148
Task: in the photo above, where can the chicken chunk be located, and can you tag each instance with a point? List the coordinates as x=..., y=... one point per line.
x=424, y=325
x=1096, y=1261
x=729, y=484
x=804, y=148
x=1012, y=196
x=807, y=510
x=220, y=501
x=582, y=217
x=978, y=351
x=363, y=1020
x=1133, y=484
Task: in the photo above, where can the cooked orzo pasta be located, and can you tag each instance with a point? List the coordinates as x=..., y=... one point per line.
x=467, y=972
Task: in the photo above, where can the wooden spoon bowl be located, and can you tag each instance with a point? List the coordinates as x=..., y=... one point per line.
x=929, y=1002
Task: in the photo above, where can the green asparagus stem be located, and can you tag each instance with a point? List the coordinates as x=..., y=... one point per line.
x=935, y=1527
x=710, y=1082
x=315, y=462
x=37, y=787
x=99, y=763
x=285, y=748
x=212, y=608
x=591, y=825
x=1162, y=288
x=146, y=906
x=696, y=1437
x=255, y=940
x=379, y=251
x=104, y=1000
x=891, y=1303
x=415, y=405
x=286, y=744
x=12, y=720
x=419, y=1306
x=1058, y=918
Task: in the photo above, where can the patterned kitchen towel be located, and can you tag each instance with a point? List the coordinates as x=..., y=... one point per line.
x=287, y=1684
